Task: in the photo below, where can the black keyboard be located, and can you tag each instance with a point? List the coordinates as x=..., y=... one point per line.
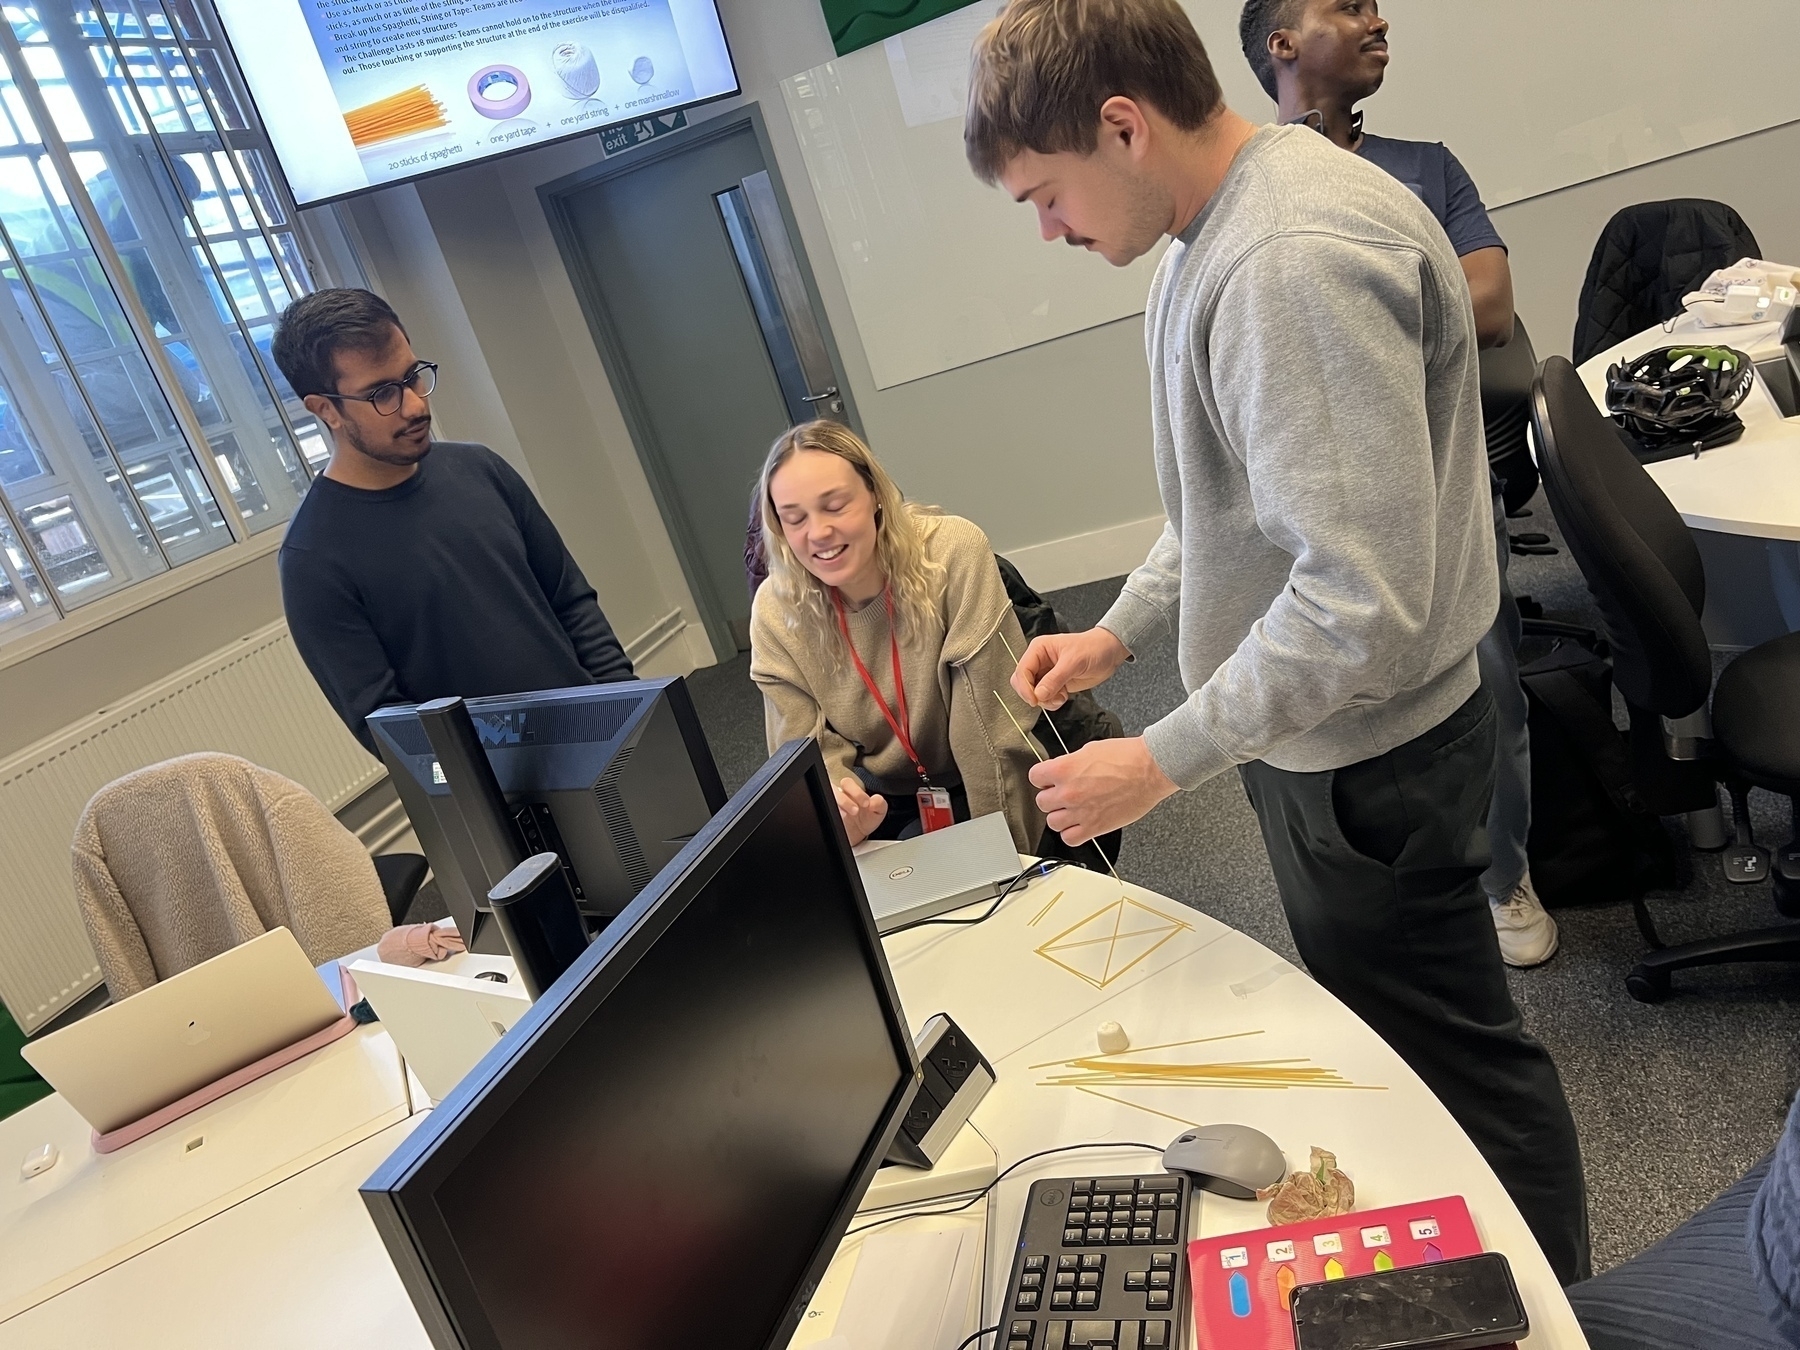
x=1101, y=1265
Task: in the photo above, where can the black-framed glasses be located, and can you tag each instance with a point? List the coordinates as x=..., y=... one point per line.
x=387, y=398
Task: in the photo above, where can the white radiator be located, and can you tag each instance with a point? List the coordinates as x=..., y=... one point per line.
x=253, y=698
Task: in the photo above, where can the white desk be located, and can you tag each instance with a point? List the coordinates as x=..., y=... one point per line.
x=1397, y=1144
x=301, y=1263
x=91, y=1212
x=1743, y=499
x=1750, y=487
x=295, y=1266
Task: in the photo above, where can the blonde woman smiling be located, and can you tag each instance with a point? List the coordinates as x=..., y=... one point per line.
x=879, y=633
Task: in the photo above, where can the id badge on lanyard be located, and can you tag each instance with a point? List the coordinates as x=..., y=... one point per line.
x=935, y=811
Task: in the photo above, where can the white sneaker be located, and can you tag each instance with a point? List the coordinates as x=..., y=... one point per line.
x=1527, y=932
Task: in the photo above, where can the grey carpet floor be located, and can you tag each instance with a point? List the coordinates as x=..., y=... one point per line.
x=1673, y=1102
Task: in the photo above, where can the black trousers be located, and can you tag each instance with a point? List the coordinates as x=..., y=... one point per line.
x=1379, y=868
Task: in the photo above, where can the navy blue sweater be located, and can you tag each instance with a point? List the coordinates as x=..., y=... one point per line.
x=1775, y=1234
x=454, y=582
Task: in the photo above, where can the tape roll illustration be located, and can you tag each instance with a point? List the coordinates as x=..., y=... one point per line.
x=499, y=92
x=575, y=66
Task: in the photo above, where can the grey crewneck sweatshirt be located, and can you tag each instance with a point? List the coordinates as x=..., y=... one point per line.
x=1317, y=403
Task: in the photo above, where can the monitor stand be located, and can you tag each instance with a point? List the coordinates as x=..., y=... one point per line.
x=968, y=1164
x=488, y=939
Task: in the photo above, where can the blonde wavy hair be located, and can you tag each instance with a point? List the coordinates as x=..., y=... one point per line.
x=912, y=577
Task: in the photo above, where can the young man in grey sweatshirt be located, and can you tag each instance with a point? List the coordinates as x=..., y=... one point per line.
x=1329, y=556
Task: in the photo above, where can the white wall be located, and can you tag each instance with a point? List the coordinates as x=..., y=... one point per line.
x=1047, y=448
x=462, y=259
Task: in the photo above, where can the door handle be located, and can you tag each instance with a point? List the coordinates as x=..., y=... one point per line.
x=820, y=398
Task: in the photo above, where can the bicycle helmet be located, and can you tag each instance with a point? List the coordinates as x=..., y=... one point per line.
x=1681, y=395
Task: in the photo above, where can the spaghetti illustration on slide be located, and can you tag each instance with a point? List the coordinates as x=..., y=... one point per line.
x=403, y=114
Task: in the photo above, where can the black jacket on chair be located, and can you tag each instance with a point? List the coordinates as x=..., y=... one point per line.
x=1647, y=258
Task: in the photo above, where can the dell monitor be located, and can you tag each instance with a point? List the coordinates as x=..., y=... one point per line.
x=663, y=1153
x=613, y=778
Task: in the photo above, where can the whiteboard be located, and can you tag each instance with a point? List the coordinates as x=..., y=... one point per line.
x=941, y=270
x=1532, y=95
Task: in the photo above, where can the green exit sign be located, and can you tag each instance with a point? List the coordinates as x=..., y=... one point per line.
x=624, y=135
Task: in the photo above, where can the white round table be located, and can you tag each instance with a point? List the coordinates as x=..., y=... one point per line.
x=1742, y=499
x=1032, y=985
x=299, y=1264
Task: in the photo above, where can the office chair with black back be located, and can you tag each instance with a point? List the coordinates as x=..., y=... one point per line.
x=1506, y=376
x=1644, y=571
x=1647, y=258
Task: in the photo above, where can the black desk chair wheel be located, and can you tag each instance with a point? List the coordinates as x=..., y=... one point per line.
x=1644, y=570
x=401, y=876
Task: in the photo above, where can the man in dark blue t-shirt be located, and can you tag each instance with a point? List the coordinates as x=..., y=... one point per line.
x=417, y=569
x=1318, y=59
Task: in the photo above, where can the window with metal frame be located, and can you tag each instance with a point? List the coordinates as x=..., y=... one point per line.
x=147, y=249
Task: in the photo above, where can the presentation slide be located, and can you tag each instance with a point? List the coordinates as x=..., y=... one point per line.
x=359, y=93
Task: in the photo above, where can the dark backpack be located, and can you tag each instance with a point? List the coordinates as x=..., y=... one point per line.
x=1595, y=832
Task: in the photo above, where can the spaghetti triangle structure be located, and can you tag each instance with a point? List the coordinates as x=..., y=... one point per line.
x=1109, y=942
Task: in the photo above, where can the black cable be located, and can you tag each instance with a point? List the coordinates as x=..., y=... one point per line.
x=1030, y=874
x=978, y=1195
x=985, y=1331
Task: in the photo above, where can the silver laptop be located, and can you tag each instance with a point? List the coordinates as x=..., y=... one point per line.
x=136, y=1056
x=935, y=873
x=443, y=1023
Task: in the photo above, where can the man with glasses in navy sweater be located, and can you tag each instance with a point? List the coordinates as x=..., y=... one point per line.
x=418, y=569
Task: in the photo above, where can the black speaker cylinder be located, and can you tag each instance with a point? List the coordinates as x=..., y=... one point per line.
x=537, y=914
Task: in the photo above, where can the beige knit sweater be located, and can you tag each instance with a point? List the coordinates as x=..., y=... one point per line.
x=952, y=671
x=185, y=859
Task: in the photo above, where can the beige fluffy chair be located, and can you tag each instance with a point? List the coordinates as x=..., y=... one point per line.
x=185, y=859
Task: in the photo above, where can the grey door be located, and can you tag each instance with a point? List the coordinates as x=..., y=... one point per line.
x=680, y=279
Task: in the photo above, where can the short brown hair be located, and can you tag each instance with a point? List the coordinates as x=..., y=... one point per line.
x=1041, y=70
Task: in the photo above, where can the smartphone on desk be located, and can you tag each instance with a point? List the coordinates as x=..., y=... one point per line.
x=1466, y=1304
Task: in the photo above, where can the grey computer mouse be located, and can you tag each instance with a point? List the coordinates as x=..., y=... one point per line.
x=1231, y=1160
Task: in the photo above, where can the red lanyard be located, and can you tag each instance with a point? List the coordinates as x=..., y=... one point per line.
x=897, y=724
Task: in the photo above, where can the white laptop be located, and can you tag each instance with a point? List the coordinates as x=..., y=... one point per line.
x=935, y=873
x=138, y=1055
x=442, y=1023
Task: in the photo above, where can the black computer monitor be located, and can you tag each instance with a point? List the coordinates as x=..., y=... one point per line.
x=614, y=778
x=665, y=1150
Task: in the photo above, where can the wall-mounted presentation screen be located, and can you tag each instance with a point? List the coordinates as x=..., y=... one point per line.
x=360, y=93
